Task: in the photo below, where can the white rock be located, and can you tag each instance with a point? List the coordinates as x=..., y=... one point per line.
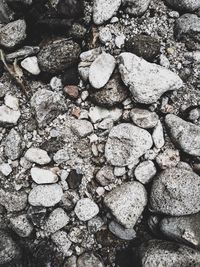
x=86, y=209
x=119, y=171
x=37, y=155
x=164, y=61
x=146, y=81
x=82, y=128
x=101, y=70
x=56, y=221
x=42, y=176
x=11, y=102
x=61, y=156
x=60, y=238
x=31, y=65
x=103, y=10
x=21, y=225
x=119, y=40
x=158, y=136
x=8, y=115
x=145, y=171
x=56, y=84
x=106, y=124
x=144, y=118
x=45, y=195
x=105, y=35
x=5, y=169
x=97, y=114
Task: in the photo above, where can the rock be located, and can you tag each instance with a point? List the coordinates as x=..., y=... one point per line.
x=56, y=221
x=22, y=53
x=82, y=128
x=37, y=215
x=163, y=253
x=97, y=114
x=47, y=105
x=168, y=158
x=13, y=145
x=158, y=136
x=13, y=201
x=8, y=116
x=136, y=7
x=143, y=46
x=105, y=35
x=86, y=209
x=31, y=65
x=105, y=176
x=90, y=260
x=70, y=76
x=183, y=229
x=127, y=202
x=37, y=155
x=95, y=224
x=42, y=176
x=60, y=238
x=21, y=225
x=74, y=179
x=145, y=171
x=121, y=232
x=13, y=34
x=119, y=171
x=185, y=135
x=184, y=5
x=101, y=70
x=58, y=55
x=72, y=91
x=175, y=192
x=104, y=10
x=6, y=13
x=112, y=94
x=77, y=31
x=69, y=199
x=61, y=156
x=144, y=118
x=126, y=143
x=146, y=81
x=120, y=40
x=5, y=169
x=106, y=124
x=11, y=102
x=45, y=195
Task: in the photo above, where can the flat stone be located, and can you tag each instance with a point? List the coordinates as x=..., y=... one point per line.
x=136, y=7
x=11, y=102
x=121, y=232
x=175, y=192
x=42, y=176
x=8, y=116
x=86, y=209
x=105, y=176
x=145, y=171
x=21, y=225
x=184, y=5
x=60, y=238
x=158, y=136
x=127, y=202
x=97, y=114
x=126, y=143
x=56, y=221
x=31, y=65
x=185, y=135
x=144, y=118
x=13, y=201
x=37, y=155
x=146, y=81
x=45, y=195
x=13, y=145
x=82, y=128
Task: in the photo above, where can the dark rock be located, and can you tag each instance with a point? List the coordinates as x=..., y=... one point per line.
x=6, y=13
x=37, y=215
x=184, y=5
x=74, y=179
x=70, y=8
x=70, y=76
x=77, y=31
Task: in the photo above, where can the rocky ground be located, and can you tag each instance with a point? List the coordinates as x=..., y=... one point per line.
x=99, y=133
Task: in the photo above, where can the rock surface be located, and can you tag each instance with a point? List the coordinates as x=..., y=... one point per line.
x=145, y=171
x=37, y=155
x=86, y=209
x=81, y=128
x=136, y=7
x=42, y=176
x=184, y=5
x=13, y=145
x=8, y=116
x=21, y=225
x=144, y=118
x=31, y=65
x=56, y=220
x=89, y=260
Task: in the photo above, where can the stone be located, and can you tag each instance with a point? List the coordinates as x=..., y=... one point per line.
x=37, y=155
x=146, y=81
x=11, y=102
x=145, y=171
x=158, y=135
x=13, y=34
x=13, y=201
x=82, y=128
x=121, y=232
x=163, y=253
x=168, y=158
x=101, y=70
x=105, y=176
x=6, y=14
x=8, y=116
x=22, y=53
x=42, y=176
x=143, y=46
x=31, y=65
x=175, y=192
x=47, y=105
x=112, y=94
x=69, y=199
x=90, y=260
x=56, y=221
x=184, y=5
x=144, y=118
x=97, y=114
x=119, y=171
x=105, y=35
x=60, y=238
x=74, y=179
x=95, y=224
x=61, y=156
x=126, y=143
x=127, y=202
x=72, y=91
x=183, y=229
x=58, y=55
x=45, y=195
x=106, y=124
x=86, y=209
x=37, y=215
x=77, y=31
x=13, y=145
x=21, y=225
x=120, y=40
x=185, y=135
x=136, y=7
x=5, y=169
x=104, y=10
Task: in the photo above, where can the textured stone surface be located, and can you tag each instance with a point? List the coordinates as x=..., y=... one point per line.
x=184, y=5
x=60, y=238
x=136, y=7
x=82, y=128
x=89, y=260
x=8, y=116
x=21, y=225
x=43, y=176
x=13, y=201
x=145, y=171
x=56, y=220
x=144, y=118
x=37, y=155
x=86, y=209
x=13, y=145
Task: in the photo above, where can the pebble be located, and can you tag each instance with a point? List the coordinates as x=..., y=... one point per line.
x=86, y=209
x=8, y=116
x=121, y=232
x=175, y=192
x=31, y=65
x=11, y=102
x=168, y=158
x=97, y=114
x=45, y=195
x=5, y=169
x=56, y=221
x=158, y=136
x=105, y=35
x=146, y=81
x=13, y=201
x=184, y=5
x=106, y=124
x=82, y=128
x=104, y=10
x=145, y=171
x=42, y=176
x=126, y=143
x=144, y=118
x=90, y=260
x=72, y=91
x=61, y=156
x=105, y=176
x=101, y=70
x=119, y=171
x=60, y=238
x=21, y=225
x=136, y=7
x=164, y=61
x=127, y=202
x=37, y=155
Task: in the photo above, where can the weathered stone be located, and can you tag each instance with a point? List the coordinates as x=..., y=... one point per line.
x=13, y=201
x=31, y=65
x=105, y=175
x=42, y=176
x=86, y=209
x=184, y=5
x=56, y=221
x=13, y=145
x=97, y=114
x=136, y=7
x=121, y=232
x=37, y=155
x=60, y=238
x=145, y=171
x=144, y=118
x=89, y=260
x=82, y=128
x=8, y=116
x=158, y=136
x=21, y=225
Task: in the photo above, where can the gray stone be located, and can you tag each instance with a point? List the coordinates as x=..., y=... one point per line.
x=103, y=10
x=42, y=176
x=127, y=202
x=105, y=35
x=45, y=195
x=6, y=14
x=185, y=135
x=37, y=155
x=126, y=143
x=31, y=65
x=184, y=5
x=144, y=118
x=158, y=136
x=60, y=238
x=13, y=201
x=90, y=260
x=82, y=128
x=97, y=114
x=61, y=156
x=5, y=169
x=69, y=199
x=175, y=192
x=86, y=209
x=105, y=176
x=11, y=101
x=8, y=116
x=22, y=53
x=56, y=221
x=136, y=7
x=145, y=171
x=121, y=232
x=156, y=253
x=13, y=34
x=146, y=81
x=21, y=225
x=58, y=55
x=168, y=158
